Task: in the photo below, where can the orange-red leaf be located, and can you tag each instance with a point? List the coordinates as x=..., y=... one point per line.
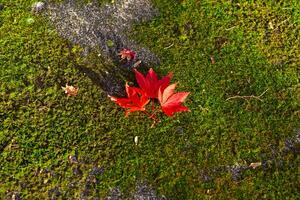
x=172, y=102
x=136, y=100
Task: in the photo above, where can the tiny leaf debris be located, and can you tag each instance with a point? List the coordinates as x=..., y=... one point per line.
x=136, y=140
x=70, y=90
x=255, y=165
x=212, y=60
x=72, y=159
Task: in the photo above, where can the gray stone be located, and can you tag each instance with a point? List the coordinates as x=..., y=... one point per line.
x=144, y=192
x=114, y=194
x=38, y=7
x=104, y=27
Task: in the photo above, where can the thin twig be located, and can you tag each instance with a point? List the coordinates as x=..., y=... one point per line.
x=169, y=46
x=153, y=117
x=281, y=23
x=228, y=29
x=248, y=97
x=137, y=64
x=153, y=106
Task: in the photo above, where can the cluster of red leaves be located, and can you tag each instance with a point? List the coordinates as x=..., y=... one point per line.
x=152, y=88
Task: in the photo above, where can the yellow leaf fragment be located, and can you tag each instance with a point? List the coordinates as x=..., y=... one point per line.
x=136, y=140
x=255, y=165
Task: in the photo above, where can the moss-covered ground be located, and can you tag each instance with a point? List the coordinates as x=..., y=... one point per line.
x=220, y=51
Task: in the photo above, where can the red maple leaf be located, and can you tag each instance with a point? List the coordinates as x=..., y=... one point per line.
x=136, y=101
x=150, y=84
x=170, y=101
x=127, y=54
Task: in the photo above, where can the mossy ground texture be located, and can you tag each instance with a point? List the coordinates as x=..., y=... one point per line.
x=240, y=61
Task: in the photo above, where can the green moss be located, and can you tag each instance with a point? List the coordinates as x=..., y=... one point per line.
x=255, y=50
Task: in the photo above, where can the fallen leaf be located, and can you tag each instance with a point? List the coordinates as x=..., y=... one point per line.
x=136, y=100
x=255, y=165
x=271, y=26
x=70, y=90
x=150, y=83
x=127, y=54
x=212, y=60
x=170, y=101
x=136, y=140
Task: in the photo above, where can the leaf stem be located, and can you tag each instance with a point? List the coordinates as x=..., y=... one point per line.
x=153, y=106
x=153, y=117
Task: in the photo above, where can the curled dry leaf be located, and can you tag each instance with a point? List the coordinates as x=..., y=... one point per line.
x=70, y=90
x=212, y=59
x=255, y=165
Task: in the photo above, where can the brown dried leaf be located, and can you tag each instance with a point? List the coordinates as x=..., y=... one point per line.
x=70, y=90
x=212, y=59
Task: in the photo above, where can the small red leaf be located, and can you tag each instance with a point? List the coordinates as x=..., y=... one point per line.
x=127, y=54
